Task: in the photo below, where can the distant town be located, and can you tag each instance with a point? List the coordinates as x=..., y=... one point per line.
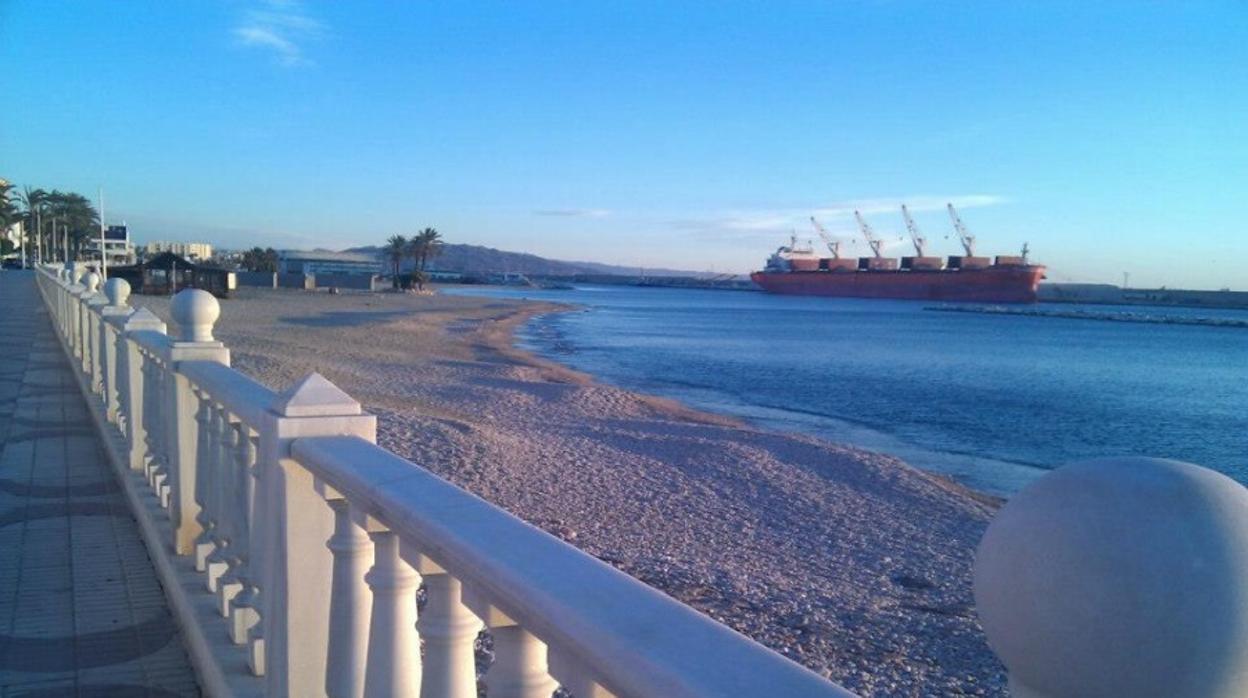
x=54, y=226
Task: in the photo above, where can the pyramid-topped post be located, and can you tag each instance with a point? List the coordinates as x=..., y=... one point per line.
x=292, y=539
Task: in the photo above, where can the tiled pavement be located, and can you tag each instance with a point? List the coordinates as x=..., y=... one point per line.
x=81, y=610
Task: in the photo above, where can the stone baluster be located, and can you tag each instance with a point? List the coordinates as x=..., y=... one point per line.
x=194, y=312
x=208, y=417
x=72, y=322
x=573, y=676
x=114, y=316
x=393, y=667
x=220, y=514
x=1119, y=577
x=288, y=540
x=234, y=501
x=449, y=631
x=154, y=410
x=136, y=384
x=519, y=669
x=350, y=601
x=244, y=608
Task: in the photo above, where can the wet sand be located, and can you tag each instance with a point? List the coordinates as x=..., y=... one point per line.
x=852, y=563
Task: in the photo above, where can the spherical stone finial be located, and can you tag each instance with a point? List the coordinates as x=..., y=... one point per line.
x=1120, y=577
x=91, y=281
x=118, y=291
x=195, y=312
x=75, y=273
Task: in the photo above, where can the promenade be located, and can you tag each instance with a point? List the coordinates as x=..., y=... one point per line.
x=81, y=611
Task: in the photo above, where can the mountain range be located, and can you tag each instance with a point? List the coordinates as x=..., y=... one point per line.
x=476, y=260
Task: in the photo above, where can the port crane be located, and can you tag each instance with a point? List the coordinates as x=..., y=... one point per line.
x=915, y=237
x=834, y=246
x=875, y=243
x=964, y=235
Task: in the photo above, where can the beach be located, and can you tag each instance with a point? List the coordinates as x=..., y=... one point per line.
x=850, y=562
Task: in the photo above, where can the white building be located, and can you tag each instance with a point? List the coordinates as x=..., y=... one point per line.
x=326, y=262
x=195, y=251
x=117, y=246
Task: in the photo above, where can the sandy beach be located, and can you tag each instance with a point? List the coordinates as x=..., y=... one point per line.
x=852, y=563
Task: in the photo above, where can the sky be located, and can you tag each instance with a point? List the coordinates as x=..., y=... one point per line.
x=1111, y=137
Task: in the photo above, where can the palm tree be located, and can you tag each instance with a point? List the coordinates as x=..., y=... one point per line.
x=258, y=259
x=76, y=214
x=395, y=250
x=33, y=202
x=425, y=244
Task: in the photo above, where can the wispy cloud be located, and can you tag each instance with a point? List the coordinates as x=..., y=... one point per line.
x=837, y=217
x=573, y=212
x=280, y=27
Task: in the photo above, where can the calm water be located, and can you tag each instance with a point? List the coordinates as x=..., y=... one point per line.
x=992, y=400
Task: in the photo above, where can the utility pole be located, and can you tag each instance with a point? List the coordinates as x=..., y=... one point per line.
x=103, y=257
x=39, y=235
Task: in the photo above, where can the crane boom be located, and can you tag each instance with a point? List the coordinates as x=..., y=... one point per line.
x=834, y=246
x=968, y=240
x=915, y=237
x=875, y=243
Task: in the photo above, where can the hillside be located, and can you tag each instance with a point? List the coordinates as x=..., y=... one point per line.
x=477, y=260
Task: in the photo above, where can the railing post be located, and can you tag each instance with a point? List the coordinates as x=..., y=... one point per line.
x=90, y=285
x=288, y=537
x=1119, y=577
x=112, y=317
x=194, y=313
x=74, y=304
x=94, y=368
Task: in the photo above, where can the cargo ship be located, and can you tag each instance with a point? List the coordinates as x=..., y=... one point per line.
x=799, y=270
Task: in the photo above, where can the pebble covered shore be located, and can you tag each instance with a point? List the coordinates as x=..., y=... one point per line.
x=850, y=562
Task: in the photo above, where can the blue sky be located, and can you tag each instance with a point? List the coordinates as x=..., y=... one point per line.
x=1109, y=136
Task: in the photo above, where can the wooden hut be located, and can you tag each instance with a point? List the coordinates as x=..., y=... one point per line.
x=168, y=273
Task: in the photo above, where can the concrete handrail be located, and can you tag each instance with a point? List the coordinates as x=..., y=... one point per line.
x=606, y=626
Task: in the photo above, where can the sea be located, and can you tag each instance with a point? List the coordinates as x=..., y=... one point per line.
x=991, y=400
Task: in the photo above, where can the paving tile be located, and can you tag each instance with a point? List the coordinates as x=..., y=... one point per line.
x=81, y=609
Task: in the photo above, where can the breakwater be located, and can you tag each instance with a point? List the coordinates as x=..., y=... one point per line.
x=1104, y=316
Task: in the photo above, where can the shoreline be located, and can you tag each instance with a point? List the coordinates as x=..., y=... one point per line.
x=508, y=343
x=852, y=563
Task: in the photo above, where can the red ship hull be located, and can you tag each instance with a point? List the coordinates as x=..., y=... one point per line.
x=995, y=284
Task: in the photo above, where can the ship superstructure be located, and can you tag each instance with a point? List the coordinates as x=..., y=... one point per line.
x=798, y=269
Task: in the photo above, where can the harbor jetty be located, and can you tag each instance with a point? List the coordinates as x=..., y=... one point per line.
x=1150, y=318
x=291, y=545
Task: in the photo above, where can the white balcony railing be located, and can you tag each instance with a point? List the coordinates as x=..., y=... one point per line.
x=292, y=549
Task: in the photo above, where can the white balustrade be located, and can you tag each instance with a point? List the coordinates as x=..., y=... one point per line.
x=1105, y=578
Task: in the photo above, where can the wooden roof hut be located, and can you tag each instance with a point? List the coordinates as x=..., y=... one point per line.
x=168, y=273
